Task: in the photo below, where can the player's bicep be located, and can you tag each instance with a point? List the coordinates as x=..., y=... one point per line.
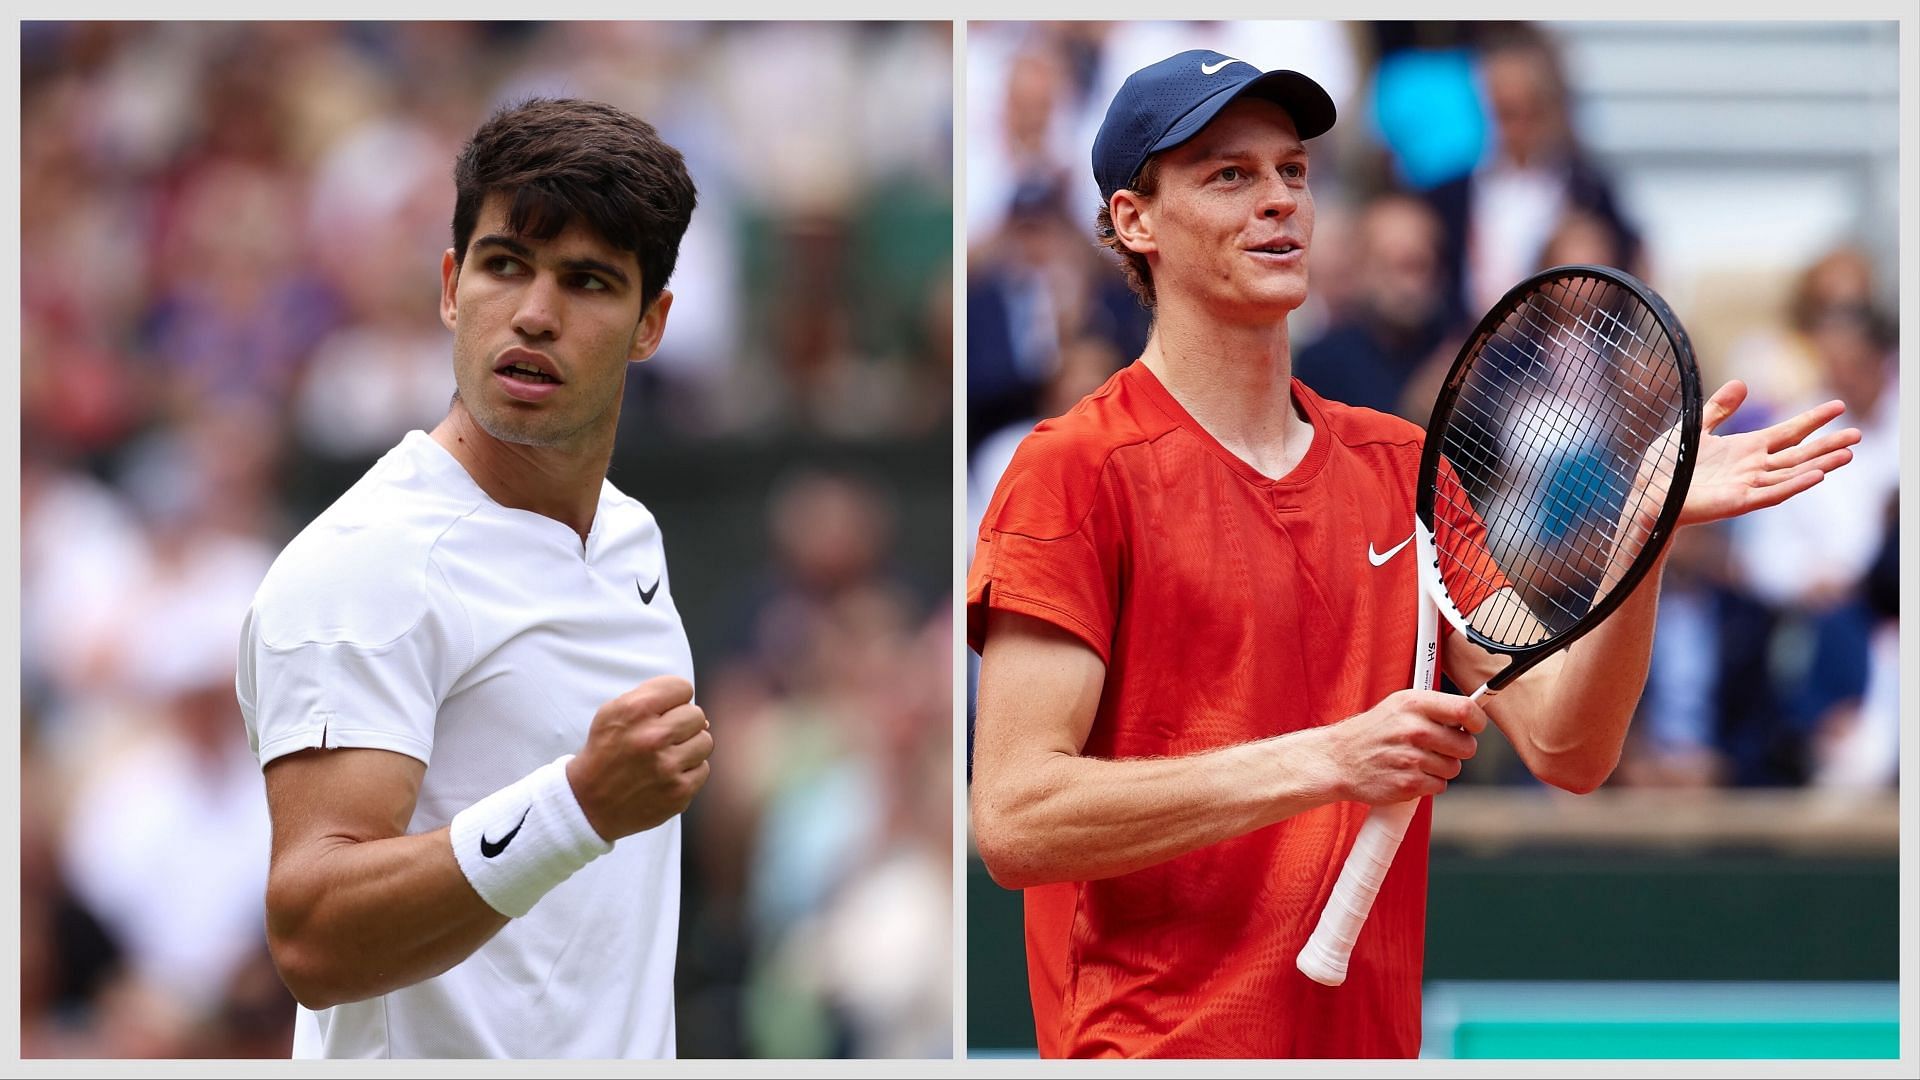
x=1039, y=689
x=320, y=797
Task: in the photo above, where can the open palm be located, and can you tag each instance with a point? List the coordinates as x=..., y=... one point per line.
x=1736, y=474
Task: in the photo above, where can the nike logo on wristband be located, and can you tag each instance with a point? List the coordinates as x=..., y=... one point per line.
x=490, y=848
x=646, y=595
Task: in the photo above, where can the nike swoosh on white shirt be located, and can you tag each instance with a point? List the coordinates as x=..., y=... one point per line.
x=1379, y=558
x=1208, y=69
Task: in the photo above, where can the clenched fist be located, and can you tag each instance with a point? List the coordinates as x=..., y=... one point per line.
x=645, y=757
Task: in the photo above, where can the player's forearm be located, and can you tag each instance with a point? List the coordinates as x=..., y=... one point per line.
x=1570, y=715
x=347, y=920
x=1060, y=817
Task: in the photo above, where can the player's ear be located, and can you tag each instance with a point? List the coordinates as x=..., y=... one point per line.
x=653, y=324
x=449, y=282
x=1132, y=215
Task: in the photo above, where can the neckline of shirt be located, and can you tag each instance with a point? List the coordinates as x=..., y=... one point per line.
x=428, y=451
x=1299, y=476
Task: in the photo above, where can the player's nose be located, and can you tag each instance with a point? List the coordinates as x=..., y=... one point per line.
x=538, y=313
x=1278, y=198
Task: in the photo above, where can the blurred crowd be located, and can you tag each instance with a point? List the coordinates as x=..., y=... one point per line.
x=230, y=242
x=1456, y=170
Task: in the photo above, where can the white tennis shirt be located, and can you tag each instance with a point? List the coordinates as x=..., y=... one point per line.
x=418, y=615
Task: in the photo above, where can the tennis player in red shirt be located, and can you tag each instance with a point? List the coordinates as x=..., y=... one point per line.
x=1193, y=603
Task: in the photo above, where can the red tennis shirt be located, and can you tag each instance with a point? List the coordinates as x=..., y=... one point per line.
x=1228, y=607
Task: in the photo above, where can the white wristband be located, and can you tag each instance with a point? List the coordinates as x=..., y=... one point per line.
x=516, y=844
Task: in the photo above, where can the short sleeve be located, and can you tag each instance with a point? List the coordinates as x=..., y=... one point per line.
x=335, y=658
x=1048, y=546
x=1466, y=567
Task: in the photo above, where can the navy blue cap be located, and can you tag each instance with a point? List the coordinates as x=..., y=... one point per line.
x=1163, y=105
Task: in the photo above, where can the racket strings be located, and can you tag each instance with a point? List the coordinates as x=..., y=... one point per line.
x=1647, y=415
x=1573, y=333
x=1584, y=480
x=1561, y=438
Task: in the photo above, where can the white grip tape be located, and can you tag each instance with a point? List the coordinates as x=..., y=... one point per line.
x=1324, y=960
x=1325, y=956
x=516, y=844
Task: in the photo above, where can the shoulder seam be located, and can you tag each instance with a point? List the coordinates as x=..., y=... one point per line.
x=1099, y=476
x=1414, y=437
x=430, y=566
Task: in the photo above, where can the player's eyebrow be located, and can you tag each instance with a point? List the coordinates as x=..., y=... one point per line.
x=520, y=250
x=1235, y=152
x=1222, y=152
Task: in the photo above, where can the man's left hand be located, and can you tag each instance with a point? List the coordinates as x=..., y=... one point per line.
x=1735, y=474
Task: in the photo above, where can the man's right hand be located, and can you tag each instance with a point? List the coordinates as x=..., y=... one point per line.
x=645, y=757
x=1407, y=746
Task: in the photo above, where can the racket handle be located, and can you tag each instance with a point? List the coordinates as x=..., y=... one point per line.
x=1324, y=959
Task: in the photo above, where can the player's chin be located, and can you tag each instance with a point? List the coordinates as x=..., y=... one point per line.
x=1279, y=279
x=1276, y=299
x=524, y=423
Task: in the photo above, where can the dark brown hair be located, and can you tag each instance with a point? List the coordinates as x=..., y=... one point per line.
x=562, y=158
x=1132, y=263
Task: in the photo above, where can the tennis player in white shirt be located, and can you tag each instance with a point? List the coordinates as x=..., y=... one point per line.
x=466, y=681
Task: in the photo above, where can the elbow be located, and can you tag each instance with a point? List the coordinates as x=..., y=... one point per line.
x=1581, y=777
x=1005, y=853
x=310, y=969
x=1007, y=870
x=304, y=971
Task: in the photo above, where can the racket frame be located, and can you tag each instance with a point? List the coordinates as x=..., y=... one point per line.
x=1426, y=486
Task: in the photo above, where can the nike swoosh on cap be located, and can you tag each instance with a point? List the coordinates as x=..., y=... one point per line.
x=1209, y=69
x=1379, y=558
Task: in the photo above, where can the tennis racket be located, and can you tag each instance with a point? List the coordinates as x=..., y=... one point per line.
x=1570, y=419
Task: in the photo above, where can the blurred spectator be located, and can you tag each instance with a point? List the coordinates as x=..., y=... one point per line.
x=1810, y=558
x=834, y=804
x=167, y=843
x=1427, y=106
x=1780, y=362
x=1581, y=236
x=1498, y=218
x=378, y=204
x=1398, y=318
x=1856, y=740
x=67, y=958
x=1775, y=653
x=1810, y=563
x=82, y=551
x=1708, y=700
x=1029, y=143
x=1036, y=287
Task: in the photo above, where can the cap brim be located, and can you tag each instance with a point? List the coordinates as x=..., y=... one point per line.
x=1304, y=100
